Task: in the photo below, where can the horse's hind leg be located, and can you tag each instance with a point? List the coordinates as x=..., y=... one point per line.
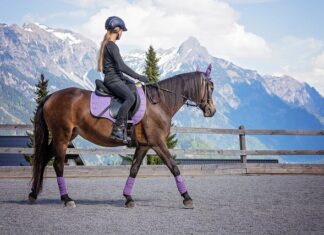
x=33, y=195
x=60, y=145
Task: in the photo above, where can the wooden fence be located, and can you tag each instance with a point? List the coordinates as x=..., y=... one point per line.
x=241, y=133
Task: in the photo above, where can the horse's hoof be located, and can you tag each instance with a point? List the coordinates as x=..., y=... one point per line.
x=130, y=204
x=31, y=199
x=70, y=204
x=188, y=204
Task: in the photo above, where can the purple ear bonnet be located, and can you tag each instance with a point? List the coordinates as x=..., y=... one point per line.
x=208, y=72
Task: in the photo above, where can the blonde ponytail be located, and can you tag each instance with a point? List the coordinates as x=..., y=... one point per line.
x=101, y=50
x=107, y=37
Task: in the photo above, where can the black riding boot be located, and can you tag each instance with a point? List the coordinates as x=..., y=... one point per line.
x=119, y=132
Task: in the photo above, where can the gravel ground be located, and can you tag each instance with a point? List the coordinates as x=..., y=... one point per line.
x=223, y=205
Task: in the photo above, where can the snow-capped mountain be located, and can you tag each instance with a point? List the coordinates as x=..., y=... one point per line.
x=66, y=58
x=243, y=97
x=296, y=94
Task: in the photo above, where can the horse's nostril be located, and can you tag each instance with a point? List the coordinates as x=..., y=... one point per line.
x=207, y=112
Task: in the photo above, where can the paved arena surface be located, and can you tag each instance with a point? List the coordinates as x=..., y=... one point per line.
x=223, y=205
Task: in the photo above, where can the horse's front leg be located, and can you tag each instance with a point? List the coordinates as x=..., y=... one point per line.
x=137, y=161
x=164, y=153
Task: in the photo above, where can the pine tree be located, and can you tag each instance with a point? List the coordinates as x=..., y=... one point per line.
x=151, y=66
x=41, y=92
x=172, y=140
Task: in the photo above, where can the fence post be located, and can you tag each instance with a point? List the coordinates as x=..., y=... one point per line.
x=242, y=144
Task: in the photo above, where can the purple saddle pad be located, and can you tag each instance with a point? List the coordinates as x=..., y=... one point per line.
x=99, y=104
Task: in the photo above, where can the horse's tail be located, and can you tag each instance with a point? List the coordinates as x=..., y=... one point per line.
x=41, y=147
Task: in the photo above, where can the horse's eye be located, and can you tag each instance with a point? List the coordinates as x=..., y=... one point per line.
x=211, y=85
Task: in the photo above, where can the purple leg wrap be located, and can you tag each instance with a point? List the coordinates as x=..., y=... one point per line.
x=180, y=184
x=61, y=185
x=129, y=186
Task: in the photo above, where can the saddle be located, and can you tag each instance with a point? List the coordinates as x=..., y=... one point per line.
x=115, y=103
x=104, y=104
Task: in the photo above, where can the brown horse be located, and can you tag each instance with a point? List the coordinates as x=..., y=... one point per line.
x=66, y=114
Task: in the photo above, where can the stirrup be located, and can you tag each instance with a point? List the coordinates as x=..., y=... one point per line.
x=126, y=139
x=121, y=136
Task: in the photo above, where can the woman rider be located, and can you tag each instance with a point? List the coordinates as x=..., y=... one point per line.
x=112, y=65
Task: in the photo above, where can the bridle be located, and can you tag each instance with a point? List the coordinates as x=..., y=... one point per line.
x=203, y=102
x=189, y=100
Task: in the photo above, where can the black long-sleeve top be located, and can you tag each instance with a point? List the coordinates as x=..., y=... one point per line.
x=114, y=66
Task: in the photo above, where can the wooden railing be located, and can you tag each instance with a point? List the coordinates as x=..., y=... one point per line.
x=241, y=132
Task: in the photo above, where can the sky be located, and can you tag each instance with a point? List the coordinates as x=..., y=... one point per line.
x=274, y=37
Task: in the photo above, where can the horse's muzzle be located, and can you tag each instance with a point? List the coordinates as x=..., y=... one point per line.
x=209, y=111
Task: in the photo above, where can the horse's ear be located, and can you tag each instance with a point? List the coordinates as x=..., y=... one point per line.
x=197, y=68
x=208, y=71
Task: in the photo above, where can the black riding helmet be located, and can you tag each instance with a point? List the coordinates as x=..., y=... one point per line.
x=113, y=22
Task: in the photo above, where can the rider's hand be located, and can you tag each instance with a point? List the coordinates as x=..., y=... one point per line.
x=143, y=79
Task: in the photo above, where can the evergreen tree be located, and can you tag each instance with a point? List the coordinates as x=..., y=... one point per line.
x=151, y=66
x=41, y=92
x=172, y=140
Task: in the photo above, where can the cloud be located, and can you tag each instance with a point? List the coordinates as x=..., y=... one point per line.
x=65, y=15
x=167, y=23
x=301, y=58
x=319, y=61
x=61, y=19
x=28, y=18
x=86, y=3
x=250, y=1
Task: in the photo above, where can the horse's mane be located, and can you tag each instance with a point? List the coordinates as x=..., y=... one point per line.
x=176, y=85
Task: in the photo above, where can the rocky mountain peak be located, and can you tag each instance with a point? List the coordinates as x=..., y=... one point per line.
x=286, y=87
x=192, y=48
x=61, y=34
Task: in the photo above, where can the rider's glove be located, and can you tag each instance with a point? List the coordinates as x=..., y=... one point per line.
x=143, y=79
